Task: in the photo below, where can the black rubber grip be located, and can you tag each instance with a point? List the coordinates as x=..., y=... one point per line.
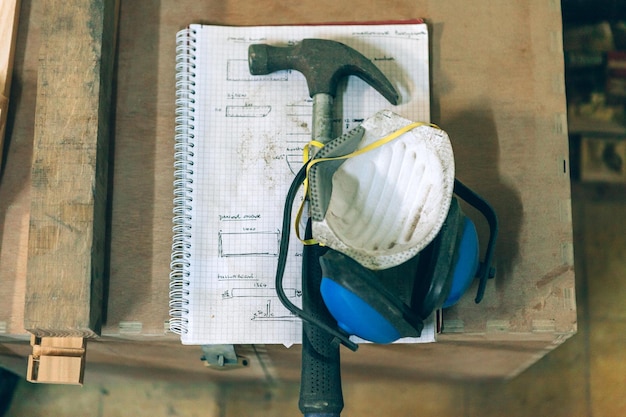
x=320, y=383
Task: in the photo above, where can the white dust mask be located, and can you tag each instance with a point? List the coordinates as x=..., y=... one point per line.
x=385, y=202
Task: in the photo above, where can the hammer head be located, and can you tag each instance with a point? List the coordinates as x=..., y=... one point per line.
x=323, y=63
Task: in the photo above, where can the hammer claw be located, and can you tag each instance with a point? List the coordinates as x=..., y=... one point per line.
x=323, y=63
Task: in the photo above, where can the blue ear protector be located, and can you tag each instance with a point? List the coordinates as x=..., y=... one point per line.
x=382, y=306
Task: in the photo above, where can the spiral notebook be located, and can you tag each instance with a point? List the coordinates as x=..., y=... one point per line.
x=238, y=144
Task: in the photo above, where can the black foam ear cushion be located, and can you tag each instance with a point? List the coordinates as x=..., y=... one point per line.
x=434, y=275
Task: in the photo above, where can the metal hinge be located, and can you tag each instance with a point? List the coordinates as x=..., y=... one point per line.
x=222, y=357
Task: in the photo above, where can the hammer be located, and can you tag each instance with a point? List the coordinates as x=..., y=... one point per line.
x=323, y=63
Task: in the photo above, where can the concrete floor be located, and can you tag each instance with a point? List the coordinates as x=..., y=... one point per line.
x=586, y=376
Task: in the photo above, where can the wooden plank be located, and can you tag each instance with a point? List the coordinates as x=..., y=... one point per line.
x=66, y=244
x=9, y=16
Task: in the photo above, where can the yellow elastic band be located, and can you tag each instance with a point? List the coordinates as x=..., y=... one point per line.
x=380, y=142
x=306, y=153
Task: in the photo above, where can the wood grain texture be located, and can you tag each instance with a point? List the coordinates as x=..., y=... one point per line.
x=69, y=171
x=9, y=16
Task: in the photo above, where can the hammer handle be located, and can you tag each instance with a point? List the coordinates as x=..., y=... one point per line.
x=320, y=383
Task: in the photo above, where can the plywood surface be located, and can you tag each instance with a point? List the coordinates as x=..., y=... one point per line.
x=497, y=88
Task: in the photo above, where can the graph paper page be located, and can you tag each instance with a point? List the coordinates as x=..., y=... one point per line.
x=249, y=134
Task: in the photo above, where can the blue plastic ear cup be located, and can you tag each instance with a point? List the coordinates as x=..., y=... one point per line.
x=345, y=306
x=466, y=265
x=362, y=305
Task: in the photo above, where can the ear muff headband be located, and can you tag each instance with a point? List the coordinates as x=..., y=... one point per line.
x=486, y=269
x=466, y=265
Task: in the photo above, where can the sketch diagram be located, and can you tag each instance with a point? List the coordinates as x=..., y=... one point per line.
x=352, y=123
x=304, y=109
x=300, y=113
x=294, y=148
x=266, y=313
x=248, y=110
x=294, y=162
x=248, y=243
x=238, y=70
x=262, y=292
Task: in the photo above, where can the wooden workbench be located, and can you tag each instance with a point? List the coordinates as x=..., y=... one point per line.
x=497, y=88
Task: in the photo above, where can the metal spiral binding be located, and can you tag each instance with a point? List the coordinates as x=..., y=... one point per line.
x=183, y=181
